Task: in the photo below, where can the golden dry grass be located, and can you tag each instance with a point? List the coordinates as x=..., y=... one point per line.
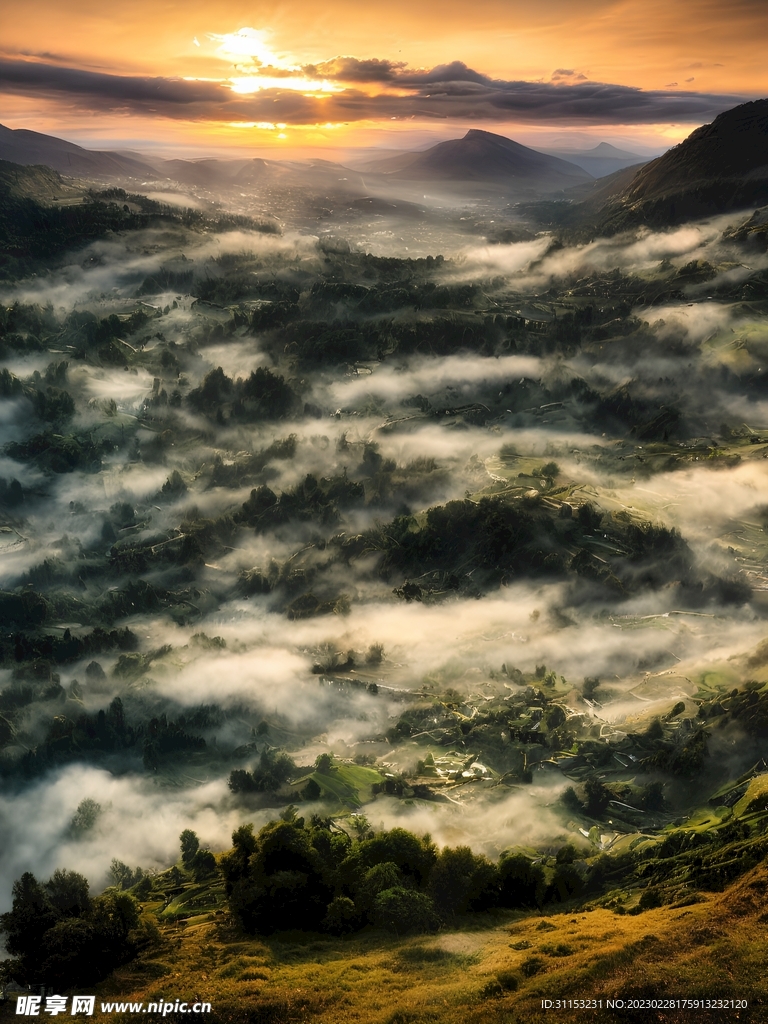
x=716, y=948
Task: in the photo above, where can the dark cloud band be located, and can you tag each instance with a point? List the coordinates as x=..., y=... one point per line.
x=28, y=76
x=448, y=91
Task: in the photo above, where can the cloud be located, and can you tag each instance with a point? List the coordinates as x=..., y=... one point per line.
x=447, y=91
x=350, y=69
x=37, y=77
x=463, y=373
x=564, y=75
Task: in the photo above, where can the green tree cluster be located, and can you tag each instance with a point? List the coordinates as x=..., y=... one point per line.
x=56, y=933
x=317, y=877
x=274, y=768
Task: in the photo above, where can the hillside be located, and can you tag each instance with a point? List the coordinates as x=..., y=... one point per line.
x=595, y=195
x=21, y=146
x=484, y=157
x=721, y=166
x=38, y=183
x=43, y=214
x=474, y=974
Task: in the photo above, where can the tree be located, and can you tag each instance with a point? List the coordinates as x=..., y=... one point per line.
x=566, y=854
x=68, y=893
x=66, y=953
x=274, y=768
x=203, y=865
x=85, y=817
x=652, y=797
x=272, y=398
x=31, y=915
x=311, y=791
x=591, y=683
x=597, y=797
x=376, y=880
x=655, y=730
x=276, y=880
x=124, y=877
x=360, y=826
x=190, y=844
x=570, y=799
x=59, y=934
x=461, y=881
x=566, y=883
x=588, y=517
x=414, y=857
x=521, y=881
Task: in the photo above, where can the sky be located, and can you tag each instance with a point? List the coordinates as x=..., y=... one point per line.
x=290, y=75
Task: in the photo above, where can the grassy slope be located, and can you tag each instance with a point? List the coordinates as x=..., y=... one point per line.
x=716, y=948
x=349, y=784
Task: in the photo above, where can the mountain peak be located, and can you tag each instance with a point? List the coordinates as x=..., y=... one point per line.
x=481, y=156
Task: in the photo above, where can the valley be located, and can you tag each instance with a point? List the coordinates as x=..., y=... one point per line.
x=383, y=597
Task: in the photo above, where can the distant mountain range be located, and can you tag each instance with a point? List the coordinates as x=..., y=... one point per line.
x=479, y=158
x=483, y=157
x=599, y=161
x=719, y=167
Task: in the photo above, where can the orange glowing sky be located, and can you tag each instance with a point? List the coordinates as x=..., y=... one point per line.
x=197, y=76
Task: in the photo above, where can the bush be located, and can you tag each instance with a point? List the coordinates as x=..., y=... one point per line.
x=341, y=916
x=402, y=910
x=508, y=980
x=650, y=899
x=532, y=965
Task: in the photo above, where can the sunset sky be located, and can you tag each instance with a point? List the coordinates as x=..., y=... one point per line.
x=200, y=77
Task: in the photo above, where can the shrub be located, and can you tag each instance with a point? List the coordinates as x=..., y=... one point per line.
x=341, y=916
x=402, y=910
x=532, y=965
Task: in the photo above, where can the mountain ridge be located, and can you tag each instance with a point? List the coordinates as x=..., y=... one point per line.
x=720, y=166
x=481, y=156
x=26, y=147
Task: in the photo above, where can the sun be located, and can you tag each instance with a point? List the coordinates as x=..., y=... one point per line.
x=251, y=46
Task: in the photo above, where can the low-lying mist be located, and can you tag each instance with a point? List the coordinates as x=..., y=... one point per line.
x=265, y=490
